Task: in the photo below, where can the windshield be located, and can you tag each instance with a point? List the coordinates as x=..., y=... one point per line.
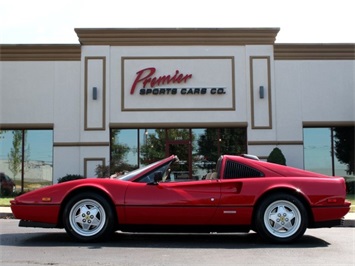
x=131, y=175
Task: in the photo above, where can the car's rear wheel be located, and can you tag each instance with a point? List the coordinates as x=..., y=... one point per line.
x=281, y=218
x=88, y=217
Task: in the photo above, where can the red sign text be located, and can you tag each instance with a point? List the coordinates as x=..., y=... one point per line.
x=146, y=78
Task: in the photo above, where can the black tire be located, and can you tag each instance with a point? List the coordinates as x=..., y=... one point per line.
x=88, y=217
x=281, y=218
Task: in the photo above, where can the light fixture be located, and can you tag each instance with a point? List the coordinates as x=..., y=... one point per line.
x=94, y=93
x=261, y=92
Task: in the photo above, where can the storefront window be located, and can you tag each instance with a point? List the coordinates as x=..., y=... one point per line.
x=213, y=142
x=317, y=150
x=124, y=150
x=205, y=151
x=344, y=146
x=26, y=156
x=207, y=144
x=178, y=134
x=329, y=151
x=232, y=140
x=152, y=145
x=198, y=149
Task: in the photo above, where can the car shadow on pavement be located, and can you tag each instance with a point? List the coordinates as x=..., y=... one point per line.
x=135, y=240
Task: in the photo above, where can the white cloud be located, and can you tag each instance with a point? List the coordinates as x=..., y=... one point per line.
x=43, y=21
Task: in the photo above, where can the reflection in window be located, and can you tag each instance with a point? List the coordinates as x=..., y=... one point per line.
x=232, y=140
x=39, y=158
x=198, y=149
x=317, y=148
x=214, y=142
x=26, y=156
x=152, y=145
x=208, y=144
x=344, y=145
x=178, y=134
x=124, y=150
x=329, y=151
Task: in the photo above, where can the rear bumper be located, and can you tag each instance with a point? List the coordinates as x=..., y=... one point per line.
x=329, y=216
x=328, y=224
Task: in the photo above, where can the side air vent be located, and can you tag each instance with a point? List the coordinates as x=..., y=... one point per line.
x=237, y=170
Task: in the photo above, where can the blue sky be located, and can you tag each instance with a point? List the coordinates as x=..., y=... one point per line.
x=302, y=21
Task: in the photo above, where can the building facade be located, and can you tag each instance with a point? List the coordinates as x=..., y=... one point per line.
x=126, y=97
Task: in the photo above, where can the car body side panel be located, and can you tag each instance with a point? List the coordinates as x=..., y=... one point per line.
x=247, y=191
x=193, y=202
x=239, y=196
x=235, y=206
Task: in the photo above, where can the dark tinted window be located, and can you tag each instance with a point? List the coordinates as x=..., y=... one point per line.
x=237, y=170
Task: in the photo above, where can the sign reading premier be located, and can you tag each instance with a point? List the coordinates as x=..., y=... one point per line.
x=186, y=83
x=147, y=82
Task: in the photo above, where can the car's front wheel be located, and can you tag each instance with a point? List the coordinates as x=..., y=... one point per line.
x=281, y=218
x=88, y=217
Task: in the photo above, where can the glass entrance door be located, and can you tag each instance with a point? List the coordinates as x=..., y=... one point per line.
x=181, y=171
x=178, y=142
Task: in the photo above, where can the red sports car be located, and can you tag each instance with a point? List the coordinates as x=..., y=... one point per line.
x=243, y=194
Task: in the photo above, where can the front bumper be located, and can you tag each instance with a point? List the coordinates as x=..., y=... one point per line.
x=36, y=212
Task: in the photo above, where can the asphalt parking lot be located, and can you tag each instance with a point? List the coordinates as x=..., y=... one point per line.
x=38, y=246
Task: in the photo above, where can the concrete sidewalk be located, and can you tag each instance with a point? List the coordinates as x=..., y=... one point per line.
x=349, y=219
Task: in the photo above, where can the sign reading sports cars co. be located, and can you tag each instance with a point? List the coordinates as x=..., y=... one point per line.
x=187, y=83
x=148, y=82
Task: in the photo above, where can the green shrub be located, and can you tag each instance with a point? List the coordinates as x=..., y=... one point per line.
x=276, y=156
x=69, y=178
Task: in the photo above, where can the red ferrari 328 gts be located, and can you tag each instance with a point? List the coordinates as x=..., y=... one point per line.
x=243, y=194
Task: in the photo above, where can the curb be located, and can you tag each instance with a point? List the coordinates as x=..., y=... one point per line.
x=6, y=216
x=347, y=223
x=6, y=213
